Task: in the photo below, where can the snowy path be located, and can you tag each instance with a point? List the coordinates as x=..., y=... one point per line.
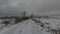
x=26, y=27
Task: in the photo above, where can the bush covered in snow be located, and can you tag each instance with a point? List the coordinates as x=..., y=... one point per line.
x=50, y=25
x=6, y=22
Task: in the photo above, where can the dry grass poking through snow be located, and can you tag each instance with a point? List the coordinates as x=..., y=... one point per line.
x=46, y=25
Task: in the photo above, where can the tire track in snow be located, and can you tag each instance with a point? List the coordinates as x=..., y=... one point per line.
x=19, y=29
x=27, y=28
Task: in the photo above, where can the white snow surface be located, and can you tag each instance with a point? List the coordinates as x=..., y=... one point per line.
x=29, y=27
x=54, y=23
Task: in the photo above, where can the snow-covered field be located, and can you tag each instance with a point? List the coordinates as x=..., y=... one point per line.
x=2, y=25
x=25, y=27
x=30, y=27
x=54, y=23
x=50, y=24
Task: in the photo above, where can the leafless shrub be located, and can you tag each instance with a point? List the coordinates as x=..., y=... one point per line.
x=6, y=22
x=42, y=25
x=54, y=31
x=17, y=20
x=46, y=23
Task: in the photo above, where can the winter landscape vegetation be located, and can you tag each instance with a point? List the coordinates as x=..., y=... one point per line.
x=29, y=16
x=29, y=24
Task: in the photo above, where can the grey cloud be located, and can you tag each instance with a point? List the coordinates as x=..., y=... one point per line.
x=37, y=7
x=46, y=7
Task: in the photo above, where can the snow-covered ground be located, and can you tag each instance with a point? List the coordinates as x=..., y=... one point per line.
x=2, y=25
x=30, y=27
x=54, y=23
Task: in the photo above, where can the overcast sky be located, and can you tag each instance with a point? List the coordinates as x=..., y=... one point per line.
x=37, y=7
